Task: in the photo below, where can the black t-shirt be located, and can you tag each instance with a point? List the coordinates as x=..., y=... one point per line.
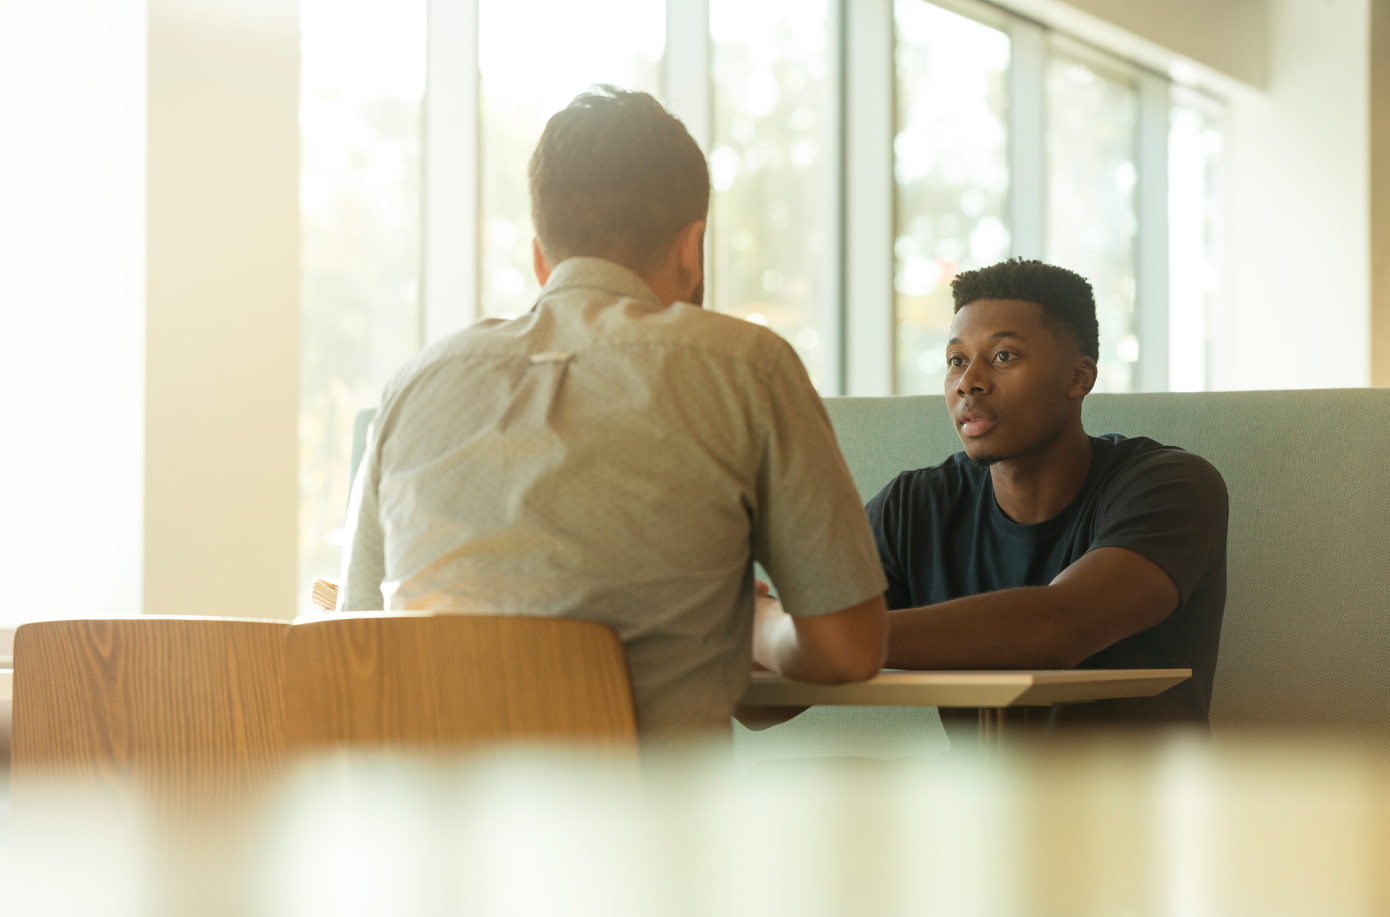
x=942, y=536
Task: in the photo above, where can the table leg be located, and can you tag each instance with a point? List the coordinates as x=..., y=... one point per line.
x=992, y=729
x=1006, y=728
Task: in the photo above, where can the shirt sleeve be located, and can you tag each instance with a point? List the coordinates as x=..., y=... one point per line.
x=364, y=552
x=1171, y=509
x=810, y=531
x=885, y=520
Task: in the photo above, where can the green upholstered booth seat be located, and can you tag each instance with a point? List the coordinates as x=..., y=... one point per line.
x=1306, y=637
x=1305, y=641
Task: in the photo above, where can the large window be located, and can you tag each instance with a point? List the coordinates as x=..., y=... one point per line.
x=966, y=135
x=951, y=168
x=1062, y=153
x=1092, y=132
x=527, y=74
x=362, y=78
x=770, y=214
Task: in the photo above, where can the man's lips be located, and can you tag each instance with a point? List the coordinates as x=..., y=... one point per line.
x=973, y=423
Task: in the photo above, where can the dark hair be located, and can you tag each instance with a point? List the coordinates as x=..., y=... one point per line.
x=1065, y=296
x=615, y=175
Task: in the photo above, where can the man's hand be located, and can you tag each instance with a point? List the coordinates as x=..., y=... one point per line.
x=1105, y=596
x=843, y=646
x=763, y=602
x=760, y=718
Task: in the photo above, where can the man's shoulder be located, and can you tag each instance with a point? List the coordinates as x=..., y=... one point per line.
x=718, y=335
x=679, y=327
x=1140, y=458
x=480, y=334
x=936, y=486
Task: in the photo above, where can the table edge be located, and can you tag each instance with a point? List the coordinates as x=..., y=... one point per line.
x=1024, y=677
x=1005, y=688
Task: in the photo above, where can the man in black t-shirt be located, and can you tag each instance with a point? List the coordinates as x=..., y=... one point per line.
x=1040, y=547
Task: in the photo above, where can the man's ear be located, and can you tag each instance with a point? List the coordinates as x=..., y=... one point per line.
x=690, y=250
x=1083, y=377
x=538, y=262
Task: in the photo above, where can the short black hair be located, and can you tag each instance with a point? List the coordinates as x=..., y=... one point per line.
x=617, y=176
x=1065, y=296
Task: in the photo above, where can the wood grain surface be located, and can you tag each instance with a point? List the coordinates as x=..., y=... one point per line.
x=449, y=681
x=163, y=702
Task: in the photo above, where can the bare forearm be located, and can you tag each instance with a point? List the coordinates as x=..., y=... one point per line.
x=1012, y=629
x=1105, y=596
x=844, y=646
x=776, y=647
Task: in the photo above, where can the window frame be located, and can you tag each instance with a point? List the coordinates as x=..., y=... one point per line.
x=1182, y=96
x=858, y=322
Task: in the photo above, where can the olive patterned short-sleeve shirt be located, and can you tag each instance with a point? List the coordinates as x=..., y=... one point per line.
x=609, y=458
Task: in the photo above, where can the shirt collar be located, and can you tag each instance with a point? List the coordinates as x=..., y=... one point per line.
x=598, y=273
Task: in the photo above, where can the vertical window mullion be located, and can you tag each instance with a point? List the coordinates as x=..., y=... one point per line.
x=1151, y=249
x=868, y=199
x=449, y=185
x=835, y=308
x=1027, y=140
x=685, y=75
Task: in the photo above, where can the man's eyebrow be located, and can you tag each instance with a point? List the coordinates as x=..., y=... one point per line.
x=996, y=336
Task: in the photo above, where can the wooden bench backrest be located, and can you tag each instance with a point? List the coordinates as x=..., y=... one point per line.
x=156, y=699
x=448, y=681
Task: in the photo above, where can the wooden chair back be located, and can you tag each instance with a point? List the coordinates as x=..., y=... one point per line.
x=438, y=682
x=161, y=701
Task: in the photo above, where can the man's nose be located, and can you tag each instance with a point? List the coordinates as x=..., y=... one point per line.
x=974, y=379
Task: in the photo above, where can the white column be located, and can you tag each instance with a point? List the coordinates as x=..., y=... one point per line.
x=222, y=309
x=449, y=204
x=869, y=191
x=72, y=312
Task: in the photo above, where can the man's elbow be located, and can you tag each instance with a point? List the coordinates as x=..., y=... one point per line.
x=845, y=669
x=1068, y=647
x=862, y=661
x=1073, y=640
x=1061, y=647
x=860, y=669
x=847, y=646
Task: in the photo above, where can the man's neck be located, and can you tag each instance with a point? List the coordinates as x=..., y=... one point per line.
x=1037, y=486
x=666, y=283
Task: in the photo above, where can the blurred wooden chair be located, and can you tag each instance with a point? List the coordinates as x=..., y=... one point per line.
x=161, y=702
x=439, y=682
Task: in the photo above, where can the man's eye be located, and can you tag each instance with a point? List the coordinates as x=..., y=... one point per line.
x=954, y=360
x=1003, y=356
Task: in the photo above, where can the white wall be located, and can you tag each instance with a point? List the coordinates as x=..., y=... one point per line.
x=1298, y=207
x=222, y=308
x=149, y=307
x=72, y=201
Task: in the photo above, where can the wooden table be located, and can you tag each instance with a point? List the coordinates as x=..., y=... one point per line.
x=991, y=692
